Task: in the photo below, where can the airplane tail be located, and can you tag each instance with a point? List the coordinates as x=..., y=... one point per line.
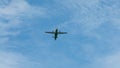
x=54, y=37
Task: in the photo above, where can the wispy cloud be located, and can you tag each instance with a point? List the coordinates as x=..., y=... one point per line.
x=98, y=22
x=91, y=15
x=12, y=14
x=15, y=60
x=18, y=8
x=10, y=60
x=95, y=25
x=110, y=61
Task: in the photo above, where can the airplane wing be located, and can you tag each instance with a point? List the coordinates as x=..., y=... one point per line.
x=50, y=32
x=62, y=32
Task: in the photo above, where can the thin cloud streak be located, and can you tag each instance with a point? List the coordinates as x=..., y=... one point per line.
x=12, y=14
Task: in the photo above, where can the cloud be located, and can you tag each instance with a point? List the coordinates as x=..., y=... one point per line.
x=10, y=60
x=18, y=8
x=95, y=20
x=98, y=24
x=110, y=61
x=12, y=16
x=77, y=4
x=88, y=16
x=15, y=60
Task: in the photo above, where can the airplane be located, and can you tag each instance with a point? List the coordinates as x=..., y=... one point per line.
x=56, y=32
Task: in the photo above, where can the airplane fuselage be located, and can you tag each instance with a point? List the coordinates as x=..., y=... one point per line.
x=56, y=34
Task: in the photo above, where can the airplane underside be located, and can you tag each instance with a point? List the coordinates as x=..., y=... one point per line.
x=56, y=32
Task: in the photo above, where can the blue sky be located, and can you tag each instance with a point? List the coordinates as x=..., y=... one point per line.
x=93, y=39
